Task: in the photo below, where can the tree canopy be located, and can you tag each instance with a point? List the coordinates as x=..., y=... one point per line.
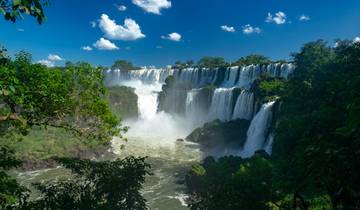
x=13, y=10
x=123, y=65
x=252, y=59
x=212, y=62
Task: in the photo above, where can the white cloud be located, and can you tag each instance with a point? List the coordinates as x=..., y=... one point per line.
x=172, y=37
x=104, y=44
x=356, y=40
x=54, y=57
x=227, y=28
x=248, y=29
x=278, y=18
x=128, y=32
x=47, y=63
x=87, y=48
x=93, y=24
x=153, y=6
x=159, y=47
x=304, y=18
x=121, y=8
x=20, y=30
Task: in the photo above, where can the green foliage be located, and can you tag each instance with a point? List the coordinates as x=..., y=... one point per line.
x=40, y=145
x=317, y=142
x=252, y=59
x=10, y=190
x=95, y=185
x=268, y=88
x=71, y=98
x=231, y=183
x=13, y=10
x=212, y=62
x=216, y=134
x=123, y=102
x=123, y=65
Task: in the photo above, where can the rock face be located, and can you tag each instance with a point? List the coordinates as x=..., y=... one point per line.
x=221, y=134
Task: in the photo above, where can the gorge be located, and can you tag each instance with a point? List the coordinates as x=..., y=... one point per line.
x=192, y=97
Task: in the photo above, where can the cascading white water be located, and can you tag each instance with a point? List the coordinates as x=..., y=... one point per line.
x=269, y=144
x=222, y=104
x=230, y=76
x=234, y=76
x=195, y=114
x=157, y=128
x=258, y=129
x=244, y=106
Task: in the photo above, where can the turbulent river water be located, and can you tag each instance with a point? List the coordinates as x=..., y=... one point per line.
x=153, y=135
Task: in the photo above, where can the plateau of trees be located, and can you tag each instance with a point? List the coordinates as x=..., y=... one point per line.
x=316, y=152
x=124, y=65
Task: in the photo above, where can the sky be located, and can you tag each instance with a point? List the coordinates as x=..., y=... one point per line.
x=160, y=32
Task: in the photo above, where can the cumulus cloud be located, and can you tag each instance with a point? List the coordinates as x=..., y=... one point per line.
x=152, y=6
x=279, y=18
x=227, y=28
x=104, y=44
x=54, y=57
x=47, y=63
x=176, y=37
x=304, y=18
x=121, y=8
x=248, y=29
x=87, y=48
x=356, y=40
x=128, y=32
x=93, y=24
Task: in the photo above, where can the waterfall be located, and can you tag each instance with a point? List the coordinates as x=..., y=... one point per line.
x=195, y=113
x=230, y=76
x=222, y=104
x=234, y=76
x=269, y=143
x=258, y=129
x=246, y=76
x=244, y=106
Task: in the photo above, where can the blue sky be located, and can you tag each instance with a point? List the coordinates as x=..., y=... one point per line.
x=226, y=28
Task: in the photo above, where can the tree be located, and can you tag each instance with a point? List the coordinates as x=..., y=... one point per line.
x=212, y=62
x=71, y=98
x=31, y=95
x=95, y=185
x=13, y=10
x=251, y=59
x=317, y=139
x=231, y=183
x=123, y=65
